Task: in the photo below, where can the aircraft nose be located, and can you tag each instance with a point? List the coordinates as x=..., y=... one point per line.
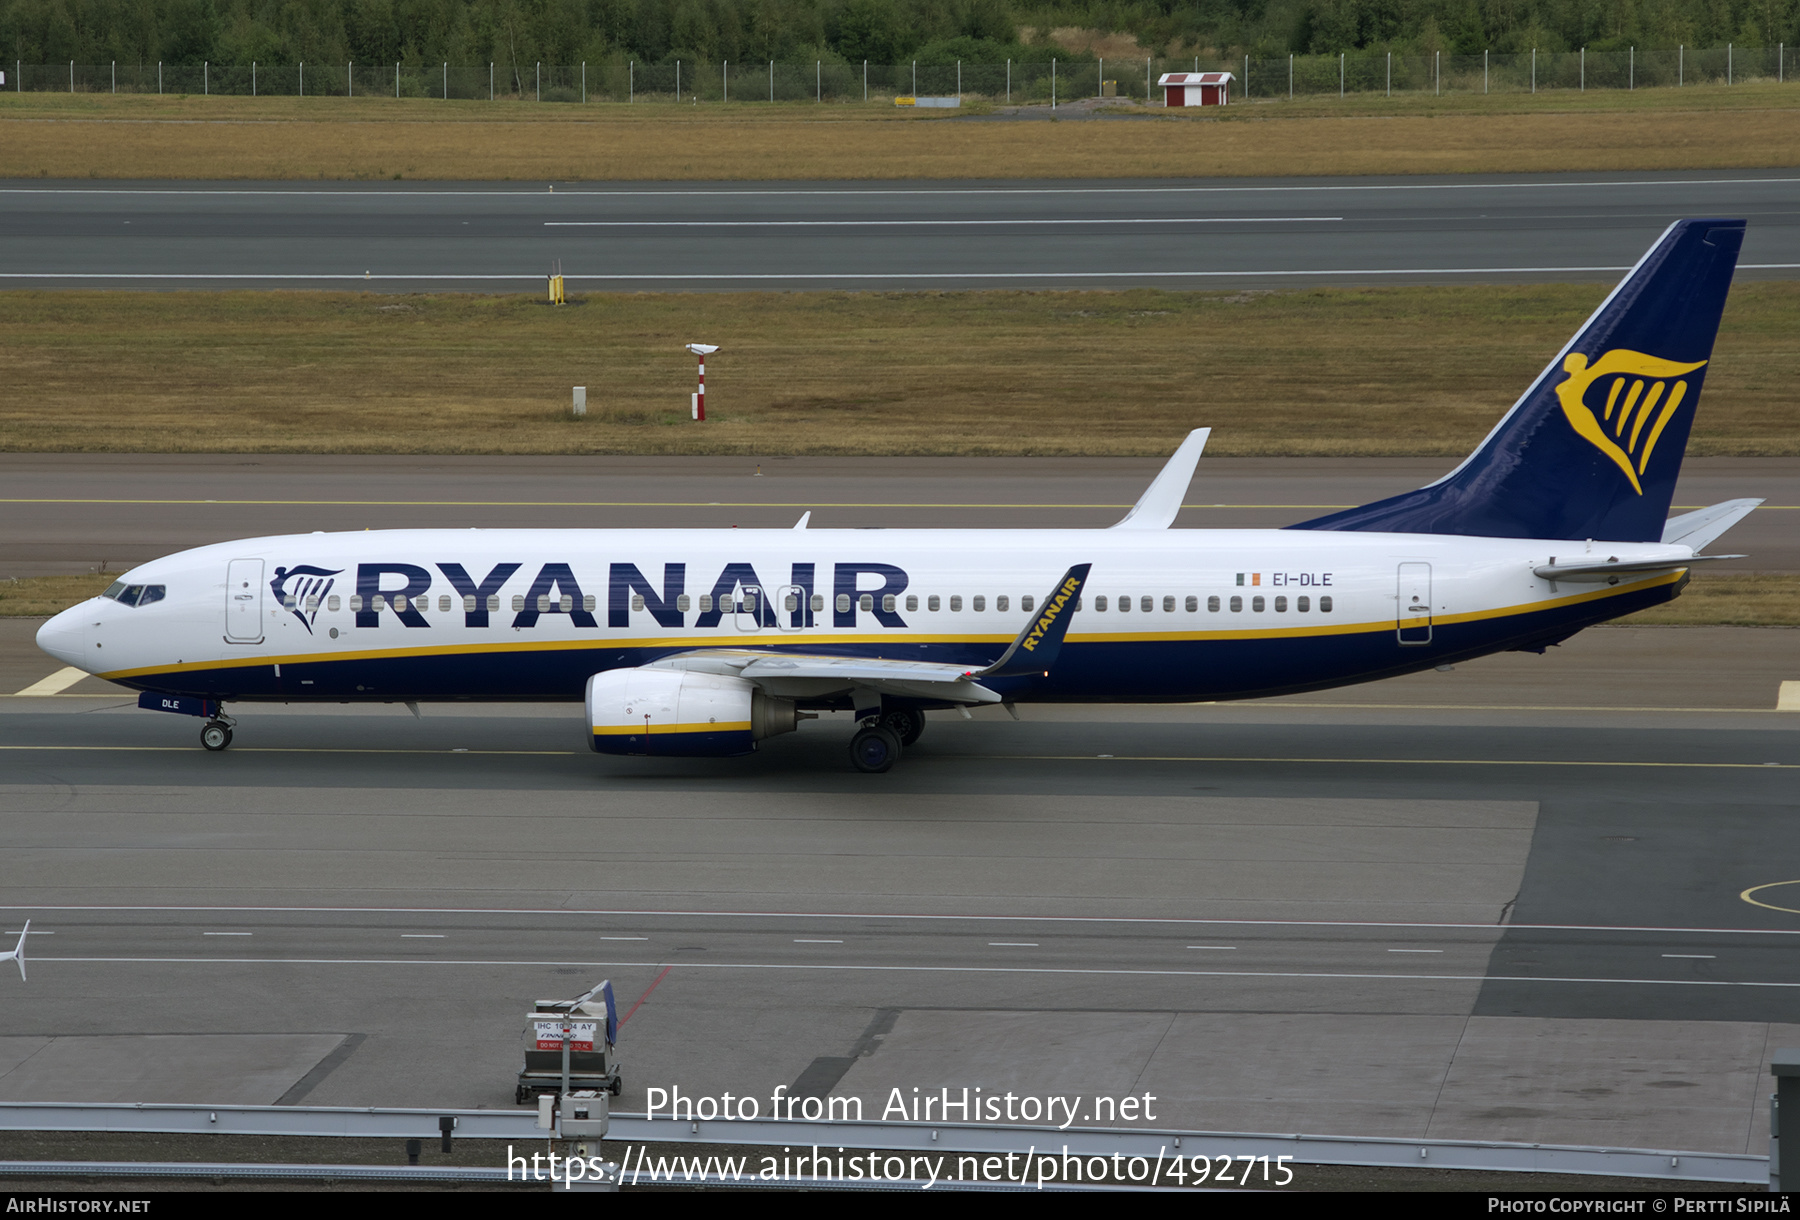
x=61, y=637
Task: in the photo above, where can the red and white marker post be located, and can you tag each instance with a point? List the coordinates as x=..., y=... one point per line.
x=702, y=350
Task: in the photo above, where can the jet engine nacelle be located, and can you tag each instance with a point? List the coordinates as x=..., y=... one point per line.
x=677, y=712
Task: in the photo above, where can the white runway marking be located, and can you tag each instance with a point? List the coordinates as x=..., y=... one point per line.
x=827, y=966
x=852, y=915
x=831, y=224
x=56, y=683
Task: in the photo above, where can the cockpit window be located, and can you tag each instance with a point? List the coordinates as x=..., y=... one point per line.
x=135, y=595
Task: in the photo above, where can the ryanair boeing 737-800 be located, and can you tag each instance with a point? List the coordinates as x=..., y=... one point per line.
x=703, y=642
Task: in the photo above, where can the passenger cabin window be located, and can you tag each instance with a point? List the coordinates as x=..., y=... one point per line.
x=912, y=601
x=1169, y=605
x=1212, y=604
x=468, y=603
x=1303, y=604
x=1000, y=603
x=356, y=602
x=1146, y=603
x=1324, y=605
x=1026, y=603
x=979, y=604
x=955, y=602
x=843, y=603
x=493, y=602
x=1237, y=604
x=444, y=602
x=1125, y=604
x=587, y=602
x=931, y=603
x=1281, y=605
x=866, y=602
x=1256, y=604
x=331, y=603
x=706, y=603
x=1193, y=604
x=1100, y=602
x=818, y=602
x=684, y=603
x=637, y=601
x=518, y=603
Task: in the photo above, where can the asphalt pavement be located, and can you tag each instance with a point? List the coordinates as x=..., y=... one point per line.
x=1173, y=233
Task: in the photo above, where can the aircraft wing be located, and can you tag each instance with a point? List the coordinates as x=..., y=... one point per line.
x=926, y=679
x=1034, y=650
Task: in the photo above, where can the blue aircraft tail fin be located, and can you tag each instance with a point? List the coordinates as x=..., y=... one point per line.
x=1593, y=448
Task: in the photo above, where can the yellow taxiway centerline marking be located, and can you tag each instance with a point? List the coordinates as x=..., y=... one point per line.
x=1371, y=762
x=55, y=684
x=679, y=504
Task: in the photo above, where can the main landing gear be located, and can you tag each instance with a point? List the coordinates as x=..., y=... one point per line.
x=877, y=744
x=215, y=735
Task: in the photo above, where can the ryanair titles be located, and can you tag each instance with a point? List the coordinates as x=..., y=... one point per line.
x=407, y=590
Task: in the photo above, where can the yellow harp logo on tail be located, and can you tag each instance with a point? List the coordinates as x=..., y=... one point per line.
x=1639, y=389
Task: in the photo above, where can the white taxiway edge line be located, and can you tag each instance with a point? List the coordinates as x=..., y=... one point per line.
x=828, y=966
x=862, y=224
x=837, y=277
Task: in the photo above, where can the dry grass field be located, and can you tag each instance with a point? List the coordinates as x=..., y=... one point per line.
x=1378, y=371
x=1748, y=599
x=105, y=136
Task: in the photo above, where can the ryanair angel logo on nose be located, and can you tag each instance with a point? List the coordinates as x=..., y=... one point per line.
x=308, y=593
x=1639, y=402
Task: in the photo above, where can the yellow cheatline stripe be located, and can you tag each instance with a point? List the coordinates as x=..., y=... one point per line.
x=775, y=636
x=1769, y=905
x=682, y=504
x=627, y=730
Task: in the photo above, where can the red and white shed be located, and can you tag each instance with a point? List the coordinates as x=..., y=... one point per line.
x=1196, y=88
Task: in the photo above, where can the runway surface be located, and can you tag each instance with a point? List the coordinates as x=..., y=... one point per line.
x=1059, y=234
x=73, y=512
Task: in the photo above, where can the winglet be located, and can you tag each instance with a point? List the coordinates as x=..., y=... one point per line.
x=18, y=952
x=1156, y=508
x=1036, y=646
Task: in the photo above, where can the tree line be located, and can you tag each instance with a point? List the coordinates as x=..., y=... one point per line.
x=421, y=32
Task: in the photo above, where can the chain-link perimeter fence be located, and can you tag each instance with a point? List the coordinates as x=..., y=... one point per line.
x=631, y=81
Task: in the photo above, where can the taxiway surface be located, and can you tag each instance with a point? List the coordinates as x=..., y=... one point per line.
x=487, y=237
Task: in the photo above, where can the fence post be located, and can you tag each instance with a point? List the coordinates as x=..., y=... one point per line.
x=1681, y=66
x=1052, y=82
x=446, y=80
x=1008, y=79
x=725, y=78
x=1390, y=78
x=71, y=76
x=1728, y=49
x=115, y=77
x=1149, y=80
x=1631, y=71
x=584, y=82
x=1584, y=69
x=1534, y=69
x=350, y=79
x=302, y=77
x=1437, y=73
x=865, y=80
x=540, y=81
x=818, y=80
x=490, y=80
x=1246, y=76
x=678, y=80
x=630, y=81
x=915, y=87
x=1290, y=76
x=1340, y=76
x=959, y=80
x=1484, y=73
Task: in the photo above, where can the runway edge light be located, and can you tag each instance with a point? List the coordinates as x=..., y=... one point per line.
x=697, y=403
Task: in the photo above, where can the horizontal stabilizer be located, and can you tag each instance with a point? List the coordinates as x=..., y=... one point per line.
x=1614, y=571
x=1698, y=528
x=1161, y=501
